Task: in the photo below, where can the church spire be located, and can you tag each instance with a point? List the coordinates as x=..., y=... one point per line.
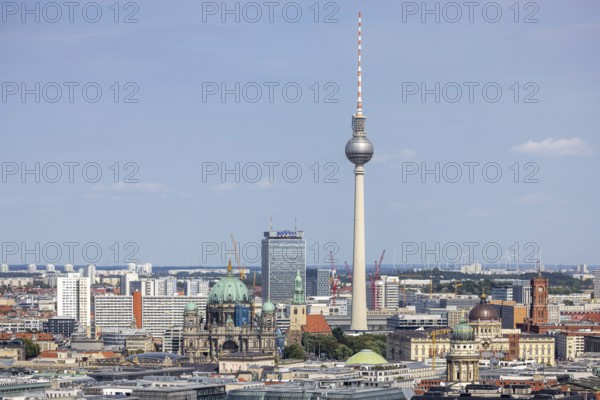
x=298, y=289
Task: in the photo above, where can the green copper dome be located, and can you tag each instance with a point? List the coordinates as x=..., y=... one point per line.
x=229, y=289
x=191, y=306
x=268, y=307
x=463, y=331
x=366, y=356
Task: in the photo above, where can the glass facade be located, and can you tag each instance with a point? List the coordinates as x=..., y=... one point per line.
x=241, y=315
x=317, y=282
x=283, y=254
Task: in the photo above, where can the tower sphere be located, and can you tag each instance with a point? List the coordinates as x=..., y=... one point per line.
x=359, y=150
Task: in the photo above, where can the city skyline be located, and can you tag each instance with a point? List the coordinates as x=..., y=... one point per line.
x=174, y=137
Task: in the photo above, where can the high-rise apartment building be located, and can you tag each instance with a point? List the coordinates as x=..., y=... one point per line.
x=165, y=286
x=73, y=298
x=392, y=291
x=383, y=293
x=157, y=313
x=145, y=286
x=89, y=271
x=597, y=284
x=126, y=279
x=283, y=255
x=195, y=287
x=317, y=282
x=113, y=311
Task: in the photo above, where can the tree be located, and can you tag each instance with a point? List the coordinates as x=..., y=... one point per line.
x=568, y=303
x=342, y=352
x=294, y=351
x=32, y=350
x=338, y=334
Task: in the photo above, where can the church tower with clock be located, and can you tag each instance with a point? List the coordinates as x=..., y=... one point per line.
x=539, y=304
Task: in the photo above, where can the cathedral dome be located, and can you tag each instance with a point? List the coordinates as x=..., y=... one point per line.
x=229, y=289
x=462, y=331
x=191, y=306
x=483, y=311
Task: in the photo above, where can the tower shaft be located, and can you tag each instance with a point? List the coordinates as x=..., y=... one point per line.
x=359, y=284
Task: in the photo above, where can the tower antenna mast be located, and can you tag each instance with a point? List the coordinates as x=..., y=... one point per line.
x=359, y=98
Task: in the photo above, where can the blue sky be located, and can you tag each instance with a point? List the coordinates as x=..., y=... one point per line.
x=176, y=130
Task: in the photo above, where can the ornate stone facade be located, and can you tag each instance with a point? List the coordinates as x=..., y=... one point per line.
x=463, y=357
x=230, y=326
x=488, y=336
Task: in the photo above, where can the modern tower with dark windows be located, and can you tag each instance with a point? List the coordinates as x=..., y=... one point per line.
x=317, y=282
x=283, y=255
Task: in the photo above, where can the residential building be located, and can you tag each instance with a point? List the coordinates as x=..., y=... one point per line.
x=61, y=326
x=113, y=311
x=155, y=314
x=126, y=279
x=73, y=298
x=195, y=287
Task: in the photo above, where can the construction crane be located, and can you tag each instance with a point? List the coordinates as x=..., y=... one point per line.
x=456, y=286
x=348, y=272
x=237, y=259
x=373, y=280
x=334, y=282
x=434, y=352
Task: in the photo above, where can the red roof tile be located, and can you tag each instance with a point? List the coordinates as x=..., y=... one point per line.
x=316, y=324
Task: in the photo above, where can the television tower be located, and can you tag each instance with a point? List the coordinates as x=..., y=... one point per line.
x=359, y=151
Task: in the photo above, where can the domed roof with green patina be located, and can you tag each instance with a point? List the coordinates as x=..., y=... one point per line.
x=268, y=307
x=462, y=331
x=229, y=289
x=366, y=356
x=191, y=306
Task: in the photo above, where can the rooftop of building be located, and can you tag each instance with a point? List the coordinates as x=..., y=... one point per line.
x=366, y=356
x=316, y=323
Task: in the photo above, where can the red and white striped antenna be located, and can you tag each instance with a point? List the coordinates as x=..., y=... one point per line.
x=359, y=101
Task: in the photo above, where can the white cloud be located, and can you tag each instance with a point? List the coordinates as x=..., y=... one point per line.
x=130, y=188
x=534, y=198
x=385, y=158
x=264, y=184
x=554, y=147
x=225, y=187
